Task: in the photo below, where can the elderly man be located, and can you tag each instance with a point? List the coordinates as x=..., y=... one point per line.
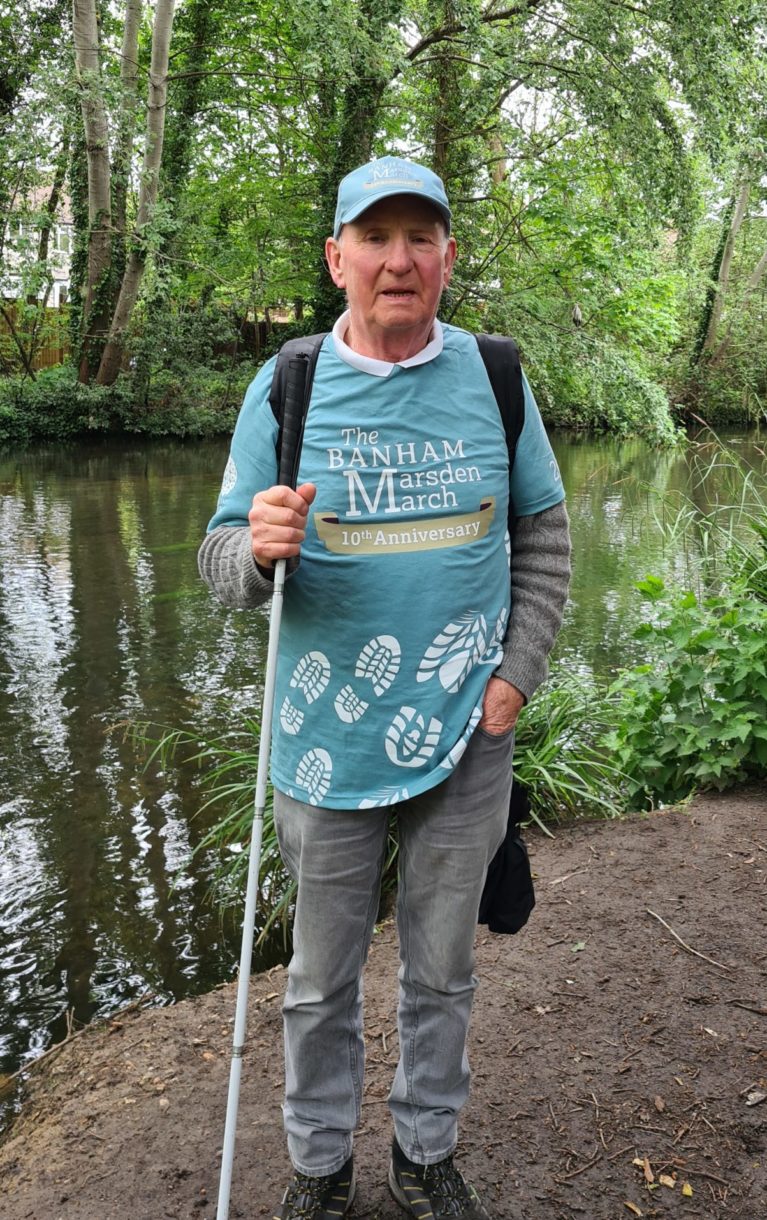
x=407, y=652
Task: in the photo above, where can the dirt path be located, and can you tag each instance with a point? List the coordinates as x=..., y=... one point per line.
x=597, y=1041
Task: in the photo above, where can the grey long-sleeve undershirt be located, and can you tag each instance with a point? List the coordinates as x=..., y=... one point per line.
x=540, y=575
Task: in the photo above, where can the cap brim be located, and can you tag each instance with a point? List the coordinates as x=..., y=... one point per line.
x=364, y=205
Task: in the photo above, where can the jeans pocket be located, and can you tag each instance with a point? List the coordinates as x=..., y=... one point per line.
x=496, y=736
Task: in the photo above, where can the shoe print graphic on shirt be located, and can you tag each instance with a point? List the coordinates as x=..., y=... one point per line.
x=349, y=707
x=500, y=627
x=313, y=774
x=311, y=675
x=455, y=651
x=291, y=718
x=384, y=796
x=409, y=742
x=379, y=661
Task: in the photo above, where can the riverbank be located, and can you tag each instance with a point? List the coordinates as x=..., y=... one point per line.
x=620, y=1038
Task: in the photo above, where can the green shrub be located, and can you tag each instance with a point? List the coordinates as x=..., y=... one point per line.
x=56, y=407
x=53, y=405
x=695, y=716
x=600, y=388
x=730, y=394
x=199, y=402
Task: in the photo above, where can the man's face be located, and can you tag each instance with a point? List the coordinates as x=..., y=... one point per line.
x=393, y=262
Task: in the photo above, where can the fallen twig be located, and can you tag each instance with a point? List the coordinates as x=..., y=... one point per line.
x=761, y=1012
x=677, y=937
x=626, y=1148
x=566, y=1176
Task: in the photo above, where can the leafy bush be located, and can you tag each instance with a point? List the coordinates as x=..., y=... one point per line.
x=197, y=402
x=598, y=387
x=54, y=406
x=696, y=715
x=729, y=394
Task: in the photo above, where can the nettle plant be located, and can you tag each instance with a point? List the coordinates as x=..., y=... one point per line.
x=694, y=716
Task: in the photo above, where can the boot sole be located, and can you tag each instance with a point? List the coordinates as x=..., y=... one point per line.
x=398, y=1193
x=352, y=1192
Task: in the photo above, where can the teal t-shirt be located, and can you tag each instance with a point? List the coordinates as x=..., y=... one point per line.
x=394, y=619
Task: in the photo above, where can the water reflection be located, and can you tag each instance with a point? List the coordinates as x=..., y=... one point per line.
x=630, y=508
x=103, y=619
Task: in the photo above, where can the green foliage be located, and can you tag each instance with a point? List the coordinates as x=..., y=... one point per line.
x=750, y=562
x=587, y=150
x=601, y=387
x=731, y=394
x=227, y=768
x=694, y=716
x=197, y=402
x=558, y=756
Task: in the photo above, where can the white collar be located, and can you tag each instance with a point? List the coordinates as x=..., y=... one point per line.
x=382, y=368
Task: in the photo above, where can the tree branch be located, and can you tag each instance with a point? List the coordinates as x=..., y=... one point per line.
x=490, y=16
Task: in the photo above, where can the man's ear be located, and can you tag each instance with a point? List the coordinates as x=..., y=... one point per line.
x=333, y=259
x=451, y=250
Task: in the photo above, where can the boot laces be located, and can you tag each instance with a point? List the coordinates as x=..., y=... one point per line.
x=305, y=1197
x=444, y=1182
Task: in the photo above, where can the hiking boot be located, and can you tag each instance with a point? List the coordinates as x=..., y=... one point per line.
x=318, y=1198
x=432, y=1190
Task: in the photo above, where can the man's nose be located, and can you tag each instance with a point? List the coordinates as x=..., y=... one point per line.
x=399, y=257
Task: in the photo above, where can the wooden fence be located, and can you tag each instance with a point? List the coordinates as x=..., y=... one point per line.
x=53, y=349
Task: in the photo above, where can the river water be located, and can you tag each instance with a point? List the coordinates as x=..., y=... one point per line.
x=103, y=622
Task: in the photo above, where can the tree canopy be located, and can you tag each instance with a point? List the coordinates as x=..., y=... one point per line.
x=604, y=161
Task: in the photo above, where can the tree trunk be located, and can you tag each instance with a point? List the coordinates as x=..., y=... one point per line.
x=720, y=271
x=7, y=314
x=755, y=279
x=127, y=119
x=51, y=204
x=195, y=31
x=78, y=193
x=199, y=23
x=88, y=76
x=158, y=90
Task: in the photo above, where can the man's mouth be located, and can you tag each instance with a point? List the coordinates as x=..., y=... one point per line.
x=398, y=294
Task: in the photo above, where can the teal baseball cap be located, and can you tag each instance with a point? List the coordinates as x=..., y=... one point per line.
x=383, y=178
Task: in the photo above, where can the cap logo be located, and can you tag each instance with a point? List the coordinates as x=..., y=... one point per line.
x=411, y=183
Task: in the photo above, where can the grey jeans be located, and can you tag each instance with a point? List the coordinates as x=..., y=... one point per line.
x=447, y=838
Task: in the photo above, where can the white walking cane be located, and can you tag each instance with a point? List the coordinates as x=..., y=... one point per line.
x=292, y=426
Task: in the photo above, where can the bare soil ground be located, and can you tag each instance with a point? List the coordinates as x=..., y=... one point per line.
x=614, y=1070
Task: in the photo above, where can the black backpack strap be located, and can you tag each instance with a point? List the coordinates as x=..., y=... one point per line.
x=508, y=896
x=501, y=357
x=307, y=347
